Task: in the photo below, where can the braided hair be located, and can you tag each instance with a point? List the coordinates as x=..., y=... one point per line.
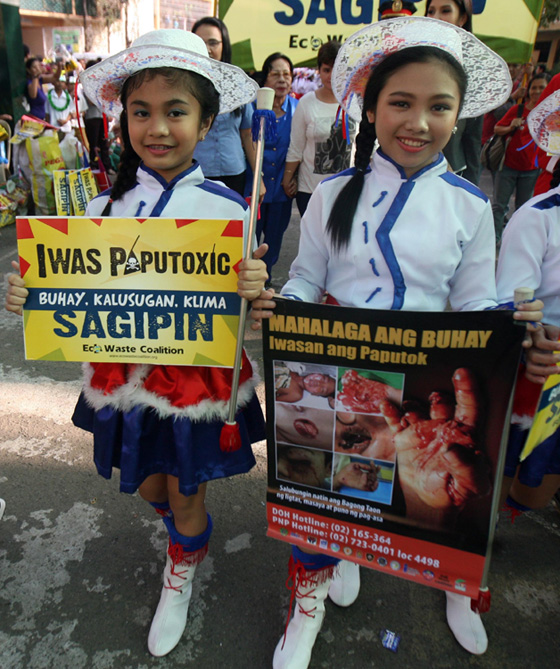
x=341, y=218
x=198, y=86
x=555, y=181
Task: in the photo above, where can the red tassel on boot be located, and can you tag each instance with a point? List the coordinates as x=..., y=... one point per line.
x=482, y=604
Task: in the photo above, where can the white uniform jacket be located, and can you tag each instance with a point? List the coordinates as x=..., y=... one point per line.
x=530, y=253
x=189, y=194
x=415, y=243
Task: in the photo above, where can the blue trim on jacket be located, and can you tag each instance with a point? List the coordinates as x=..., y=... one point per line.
x=345, y=173
x=223, y=191
x=163, y=182
x=352, y=170
x=548, y=203
x=459, y=182
x=439, y=158
x=167, y=186
x=384, y=241
x=107, y=193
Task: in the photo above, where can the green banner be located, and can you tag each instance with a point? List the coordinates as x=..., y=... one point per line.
x=299, y=27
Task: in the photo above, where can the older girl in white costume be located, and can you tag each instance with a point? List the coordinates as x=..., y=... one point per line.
x=397, y=231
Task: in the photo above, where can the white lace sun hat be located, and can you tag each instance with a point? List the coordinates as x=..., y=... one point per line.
x=165, y=48
x=544, y=124
x=488, y=78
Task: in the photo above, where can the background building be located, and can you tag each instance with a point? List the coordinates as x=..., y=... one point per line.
x=546, y=47
x=101, y=26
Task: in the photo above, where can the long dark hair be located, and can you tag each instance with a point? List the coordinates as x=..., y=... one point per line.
x=198, y=86
x=465, y=9
x=339, y=224
x=221, y=26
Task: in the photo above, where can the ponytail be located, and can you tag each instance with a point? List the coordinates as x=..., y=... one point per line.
x=126, y=175
x=339, y=224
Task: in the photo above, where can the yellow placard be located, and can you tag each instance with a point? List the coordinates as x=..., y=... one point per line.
x=152, y=290
x=547, y=418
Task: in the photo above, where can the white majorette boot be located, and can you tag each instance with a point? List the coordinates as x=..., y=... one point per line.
x=465, y=623
x=345, y=584
x=309, y=589
x=170, y=619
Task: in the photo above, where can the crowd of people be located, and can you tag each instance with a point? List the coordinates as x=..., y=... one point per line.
x=403, y=156
x=316, y=145
x=51, y=88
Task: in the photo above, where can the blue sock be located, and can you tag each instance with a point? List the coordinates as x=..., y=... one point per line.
x=162, y=508
x=189, y=544
x=313, y=561
x=517, y=505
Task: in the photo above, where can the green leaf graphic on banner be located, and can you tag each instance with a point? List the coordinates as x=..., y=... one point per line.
x=231, y=322
x=242, y=55
x=223, y=8
x=57, y=355
x=535, y=7
x=511, y=50
x=204, y=361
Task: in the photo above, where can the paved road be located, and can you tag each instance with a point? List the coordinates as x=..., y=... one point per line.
x=80, y=563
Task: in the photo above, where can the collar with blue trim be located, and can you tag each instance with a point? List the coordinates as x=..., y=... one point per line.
x=146, y=176
x=382, y=161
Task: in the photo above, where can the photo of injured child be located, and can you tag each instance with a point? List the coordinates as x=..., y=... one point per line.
x=304, y=426
x=305, y=384
x=365, y=435
x=363, y=478
x=303, y=465
x=362, y=391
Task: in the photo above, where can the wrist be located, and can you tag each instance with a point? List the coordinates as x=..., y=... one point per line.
x=417, y=510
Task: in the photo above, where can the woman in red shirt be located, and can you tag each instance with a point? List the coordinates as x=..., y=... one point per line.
x=518, y=174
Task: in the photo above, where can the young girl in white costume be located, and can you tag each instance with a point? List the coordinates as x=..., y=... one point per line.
x=530, y=256
x=397, y=231
x=161, y=424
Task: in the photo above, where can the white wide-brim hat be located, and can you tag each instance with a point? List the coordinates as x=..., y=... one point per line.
x=544, y=124
x=488, y=79
x=184, y=50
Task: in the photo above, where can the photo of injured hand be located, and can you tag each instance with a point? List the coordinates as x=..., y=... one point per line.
x=362, y=391
x=357, y=475
x=439, y=459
